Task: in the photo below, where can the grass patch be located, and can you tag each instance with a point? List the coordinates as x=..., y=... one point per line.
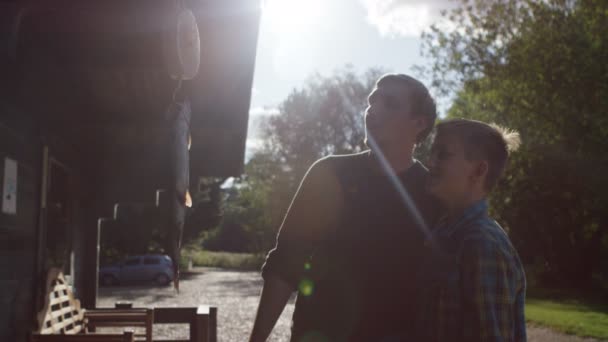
x=235, y=261
x=571, y=316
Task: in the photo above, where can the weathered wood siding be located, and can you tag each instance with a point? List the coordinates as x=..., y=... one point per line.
x=23, y=236
x=18, y=233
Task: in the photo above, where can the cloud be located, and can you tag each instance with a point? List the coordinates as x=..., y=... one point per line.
x=404, y=17
x=254, y=134
x=252, y=146
x=263, y=111
x=256, y=116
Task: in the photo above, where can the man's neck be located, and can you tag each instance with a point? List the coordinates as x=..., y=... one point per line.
x=399, y=159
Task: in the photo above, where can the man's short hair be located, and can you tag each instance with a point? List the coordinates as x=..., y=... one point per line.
x=422, y=104
x=483, y=141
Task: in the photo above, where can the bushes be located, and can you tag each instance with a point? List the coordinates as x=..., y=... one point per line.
x=229, y=237
x=238, y=261
x=534, y=66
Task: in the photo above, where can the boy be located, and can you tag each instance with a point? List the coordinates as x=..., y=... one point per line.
x=475, y=283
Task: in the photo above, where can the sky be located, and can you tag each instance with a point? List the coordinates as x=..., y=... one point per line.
x=300, y=37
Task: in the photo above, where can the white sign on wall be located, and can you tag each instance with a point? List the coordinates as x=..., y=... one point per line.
x=9, y=187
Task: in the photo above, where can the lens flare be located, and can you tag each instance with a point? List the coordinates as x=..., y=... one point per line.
x=306, y=287
x=293, y=16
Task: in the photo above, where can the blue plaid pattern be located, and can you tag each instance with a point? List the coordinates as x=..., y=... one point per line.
x=475, y=286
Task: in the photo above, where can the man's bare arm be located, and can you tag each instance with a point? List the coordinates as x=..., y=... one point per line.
x=273, y=299
x=313, y=211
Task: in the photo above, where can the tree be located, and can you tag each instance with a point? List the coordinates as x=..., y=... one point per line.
x=324, y=117
x=537, y=66
x=249, y=225
x=139, y=227
x=206, y=212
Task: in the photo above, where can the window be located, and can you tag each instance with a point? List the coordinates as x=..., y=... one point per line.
x=151, y=261
x=132, y=262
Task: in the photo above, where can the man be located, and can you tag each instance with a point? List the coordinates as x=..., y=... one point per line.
x=347, y=243
x=476, y=284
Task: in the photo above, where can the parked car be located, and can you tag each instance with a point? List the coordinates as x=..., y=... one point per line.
x=155, y=268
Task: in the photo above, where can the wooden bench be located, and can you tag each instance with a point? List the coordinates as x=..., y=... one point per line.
x=201, y=321
x=125, y=337
x=62, y=318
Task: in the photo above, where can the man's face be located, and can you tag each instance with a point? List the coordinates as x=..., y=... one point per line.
x=452, y=176
x=388, y=118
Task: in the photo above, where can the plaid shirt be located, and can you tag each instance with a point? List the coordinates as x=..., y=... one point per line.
x=474, y=284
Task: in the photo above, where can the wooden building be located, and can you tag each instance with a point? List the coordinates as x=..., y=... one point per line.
x=84, y=90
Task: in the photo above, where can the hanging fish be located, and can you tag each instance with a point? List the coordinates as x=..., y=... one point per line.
x=182, y=54
x=178, y=195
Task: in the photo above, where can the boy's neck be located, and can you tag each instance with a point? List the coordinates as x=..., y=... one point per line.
x=456, y=209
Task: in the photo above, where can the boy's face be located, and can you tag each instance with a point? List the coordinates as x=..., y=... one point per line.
x=453, y=178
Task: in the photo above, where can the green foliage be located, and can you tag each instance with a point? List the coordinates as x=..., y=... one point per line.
x=569, y=316
x=538, y=67
x=206, y=212
x=324, y=117
x=136, y=230
x=229, y=236
x=237, y=261
x=249, y=223
x=139, y=227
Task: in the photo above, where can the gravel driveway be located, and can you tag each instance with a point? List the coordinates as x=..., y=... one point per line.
x=236, y=296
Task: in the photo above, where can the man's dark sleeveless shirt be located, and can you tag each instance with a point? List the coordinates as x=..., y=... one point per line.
x=356, y=281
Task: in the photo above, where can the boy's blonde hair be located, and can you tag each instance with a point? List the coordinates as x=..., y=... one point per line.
x=482, y=141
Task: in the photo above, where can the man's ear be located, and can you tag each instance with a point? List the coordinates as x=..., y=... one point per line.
x=421, y=123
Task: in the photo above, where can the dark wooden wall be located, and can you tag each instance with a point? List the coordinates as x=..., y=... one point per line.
x=104, y=120
x=18, y=233
x=23, y=237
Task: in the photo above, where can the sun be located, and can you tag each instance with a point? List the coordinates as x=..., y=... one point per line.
x=293, y=17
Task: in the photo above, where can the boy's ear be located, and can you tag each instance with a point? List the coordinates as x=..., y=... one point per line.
x=480, y=171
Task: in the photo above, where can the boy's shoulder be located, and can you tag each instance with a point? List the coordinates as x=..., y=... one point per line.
x=487, y=249
x=486, y=235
